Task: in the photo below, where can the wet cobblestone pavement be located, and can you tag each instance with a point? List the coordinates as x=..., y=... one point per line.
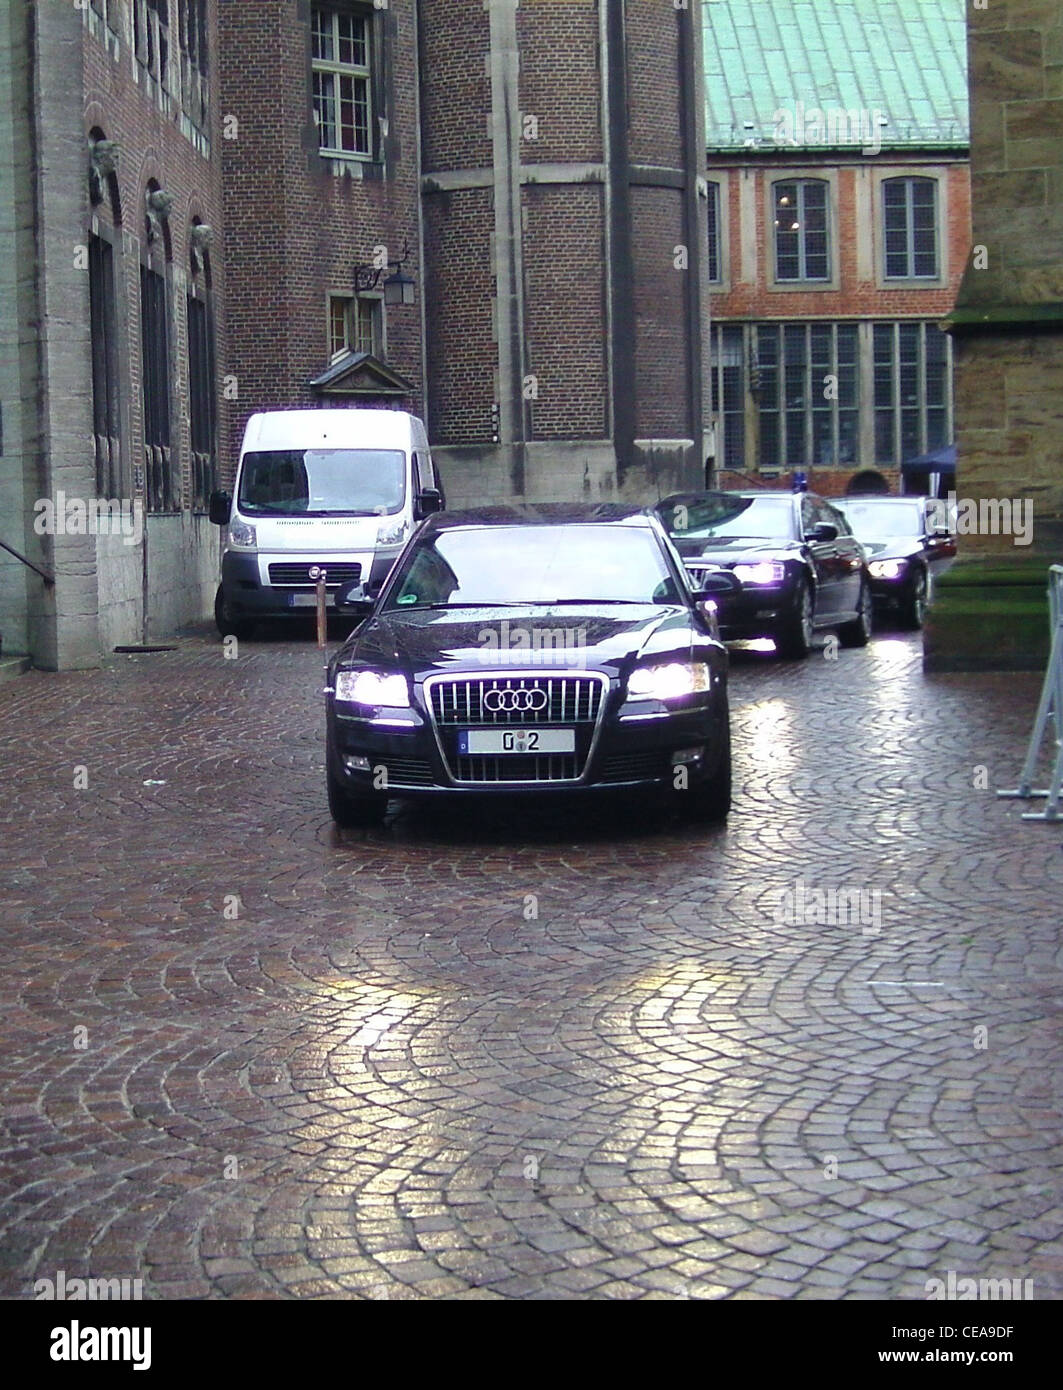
x=500, y=1053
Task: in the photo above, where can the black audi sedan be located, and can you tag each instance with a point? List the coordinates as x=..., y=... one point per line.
x=527, y=650
x=908, y=544
x=801, y=568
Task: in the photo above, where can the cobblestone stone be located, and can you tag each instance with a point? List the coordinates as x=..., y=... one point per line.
x=248, y=1055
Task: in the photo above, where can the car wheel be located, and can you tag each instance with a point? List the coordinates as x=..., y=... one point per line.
x=710, y=799
x=913, y=610
x=858, y=632
x=793, y=640
x=352, y=809
x=239, y=628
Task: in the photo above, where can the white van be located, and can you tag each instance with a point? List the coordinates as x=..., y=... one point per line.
x=332, y=490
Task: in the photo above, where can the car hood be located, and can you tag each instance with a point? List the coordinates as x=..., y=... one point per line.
x=893, y=548
x=486, y=640
x=731, y=550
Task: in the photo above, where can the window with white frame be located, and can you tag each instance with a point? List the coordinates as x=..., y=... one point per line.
x=342, y=81
x=909, y=218
x=354, y=325
x=913, y=395
x=802, y=241
x=807, y=394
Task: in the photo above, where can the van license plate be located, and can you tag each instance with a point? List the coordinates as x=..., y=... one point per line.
x=526, y=740
x=309, y=601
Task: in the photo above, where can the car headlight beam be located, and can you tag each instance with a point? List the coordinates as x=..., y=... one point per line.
x=887, y=569
x=761, y=572
x=376, y=688
x=669, y=681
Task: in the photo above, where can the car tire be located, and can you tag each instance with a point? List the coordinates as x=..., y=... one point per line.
x=352, y=810
x=240, y=628
x=793, y=639
x=913, y=609
x=709, y=800
x=858, y=632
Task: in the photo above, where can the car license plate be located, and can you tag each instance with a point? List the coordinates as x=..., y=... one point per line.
x=309, y=601
x=473, y=741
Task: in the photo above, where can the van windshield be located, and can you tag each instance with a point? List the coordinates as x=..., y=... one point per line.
x=322, y=482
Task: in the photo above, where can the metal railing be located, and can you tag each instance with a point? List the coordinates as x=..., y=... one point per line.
x=1050, y=707
x=46, y=575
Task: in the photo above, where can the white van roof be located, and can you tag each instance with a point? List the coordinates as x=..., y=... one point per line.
x=303, y=429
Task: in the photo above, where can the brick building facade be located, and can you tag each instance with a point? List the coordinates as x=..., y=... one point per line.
x=840, y=223
x=113, y=333
x=564, y=220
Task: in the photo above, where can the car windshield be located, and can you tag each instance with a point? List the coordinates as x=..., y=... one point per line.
x=322, y=482
x=506, y=565
x=873, y=521
x=723, y=514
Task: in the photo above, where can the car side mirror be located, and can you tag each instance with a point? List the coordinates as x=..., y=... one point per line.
x=221, y=507
x=428, y=501
x=717, y=582
x=352, y=599
x=823, y=531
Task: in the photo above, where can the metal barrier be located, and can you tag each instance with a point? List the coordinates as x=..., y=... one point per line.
x=1049, y=707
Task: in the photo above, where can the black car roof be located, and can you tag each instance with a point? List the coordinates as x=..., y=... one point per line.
x=733, y=492
x=542, y=514
x=879, y=500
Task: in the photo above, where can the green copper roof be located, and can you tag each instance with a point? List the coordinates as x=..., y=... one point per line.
x=905, y=59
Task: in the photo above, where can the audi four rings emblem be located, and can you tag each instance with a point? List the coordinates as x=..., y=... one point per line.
x=510, y=701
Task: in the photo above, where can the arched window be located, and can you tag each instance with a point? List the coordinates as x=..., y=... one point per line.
x=202, y=397
x=910, y=226
x=104, y=249
x=160, y=489
x=802, y=236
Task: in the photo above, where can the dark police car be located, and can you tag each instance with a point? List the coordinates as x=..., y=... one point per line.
x=531, y=650
x=800, y=566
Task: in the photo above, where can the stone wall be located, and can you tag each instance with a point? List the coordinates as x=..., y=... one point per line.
x=1008, y=319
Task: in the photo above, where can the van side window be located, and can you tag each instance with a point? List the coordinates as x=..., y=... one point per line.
x=418, y=475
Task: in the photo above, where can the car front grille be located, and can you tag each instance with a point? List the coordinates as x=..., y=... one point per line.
x=408, y=772
x=572, y=700
x=547, y=699
x=549, y=767
x=636, y=767
x=296, y=574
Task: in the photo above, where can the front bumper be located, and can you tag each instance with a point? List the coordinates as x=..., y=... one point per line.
x=630, y=753
x=885, y=592
x=247, y=595
x=757, y=611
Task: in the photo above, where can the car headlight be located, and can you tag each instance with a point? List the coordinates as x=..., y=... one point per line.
x=373, y=688
x=887, y=569
x=392, y=532
x=241, y=534
x=669, y=681
x=763, y=572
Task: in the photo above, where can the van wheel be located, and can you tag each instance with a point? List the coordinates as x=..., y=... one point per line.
x=239, y=628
